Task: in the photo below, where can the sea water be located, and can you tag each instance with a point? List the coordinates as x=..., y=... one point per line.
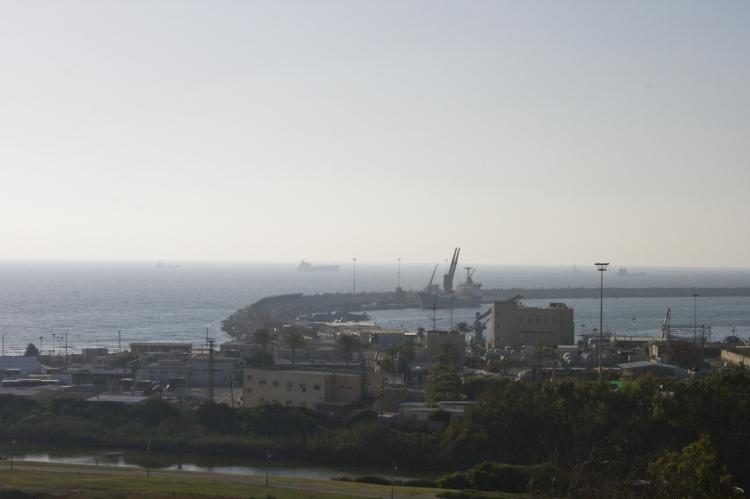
x=108, y=304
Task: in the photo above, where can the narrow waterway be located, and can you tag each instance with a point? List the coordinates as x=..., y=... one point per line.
x=188, y=462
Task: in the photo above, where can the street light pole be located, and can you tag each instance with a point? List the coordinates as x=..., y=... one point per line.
x=393, y=478
x=268, y=464
x=354, y=275
x=398, y=275
x=602, y=268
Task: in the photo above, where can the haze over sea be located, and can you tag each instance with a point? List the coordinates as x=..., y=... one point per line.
x=91, y=301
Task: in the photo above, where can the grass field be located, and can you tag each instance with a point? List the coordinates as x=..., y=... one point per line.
x=68, y=481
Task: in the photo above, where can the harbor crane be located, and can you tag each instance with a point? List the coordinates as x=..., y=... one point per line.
x=448, y=277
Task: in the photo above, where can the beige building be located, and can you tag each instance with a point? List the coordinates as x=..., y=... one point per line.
x=514, y=324
x=439, y=343
x=307, y=388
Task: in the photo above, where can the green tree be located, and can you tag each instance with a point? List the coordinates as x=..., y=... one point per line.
x=31, y=350
x=692, y=472
x=263, y=337
x=293, y=341
x=474, y=386
x=389, y=364
x=445, y=383
x=450, y=354
x=406, y=354
x=155, y=411
x=346, y=345
x=217, y=417
x=462, y=327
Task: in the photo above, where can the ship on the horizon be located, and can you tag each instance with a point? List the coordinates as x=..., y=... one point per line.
x=305, y=266
x=161, y=265
x=466, y=295
x=623, y=272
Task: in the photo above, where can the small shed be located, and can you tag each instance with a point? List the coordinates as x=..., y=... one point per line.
x=631, y=370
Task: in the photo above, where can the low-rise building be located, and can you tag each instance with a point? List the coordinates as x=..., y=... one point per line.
x=447, y=345
x=91, y=354
x=20, y=365
x=435, y=416
x=307, y=388
x=145, y=348
x=632, y=370
x=738, y=355
x=227, y=370
x=514, y=324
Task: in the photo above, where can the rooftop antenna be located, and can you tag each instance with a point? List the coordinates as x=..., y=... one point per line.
x=469, y=273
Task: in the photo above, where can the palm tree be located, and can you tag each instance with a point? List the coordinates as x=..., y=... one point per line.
x=406, y=355
x=347, y=344
x=263, y=337
x=293, y=341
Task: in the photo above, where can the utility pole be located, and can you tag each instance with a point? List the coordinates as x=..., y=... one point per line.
x=41, y=343
x=231, y=388
x=695, y=318
x=66, y=347
x=211, y=369
x=434, y=318
x=119, y=340
x=354, y=275
x=602, y=268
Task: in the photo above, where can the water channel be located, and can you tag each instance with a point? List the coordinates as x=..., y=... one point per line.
x=189, y=462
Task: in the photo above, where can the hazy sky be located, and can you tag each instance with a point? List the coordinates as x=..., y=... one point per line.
x=524, y=131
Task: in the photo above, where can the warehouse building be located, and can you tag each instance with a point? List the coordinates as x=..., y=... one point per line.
x=514, y=324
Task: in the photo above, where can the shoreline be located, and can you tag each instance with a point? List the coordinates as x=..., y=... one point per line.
x=274, y=311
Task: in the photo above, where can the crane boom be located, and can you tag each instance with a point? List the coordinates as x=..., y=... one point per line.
x=429, y=284
x=448, y=278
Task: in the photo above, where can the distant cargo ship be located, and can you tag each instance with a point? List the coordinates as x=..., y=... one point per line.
x=623, y=272
x=466, y=295
x=308, y=267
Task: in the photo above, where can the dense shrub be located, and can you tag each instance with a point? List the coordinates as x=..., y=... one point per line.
x=275, y=419
x=491, y=476
x=361, y=416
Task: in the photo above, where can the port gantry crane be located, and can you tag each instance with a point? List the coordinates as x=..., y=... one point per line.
x=432, y=278
x=448, y=277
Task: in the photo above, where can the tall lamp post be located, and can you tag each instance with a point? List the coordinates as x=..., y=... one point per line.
x=268, y=464
x=602, y=268
x=398, y=275
x=354, y=275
